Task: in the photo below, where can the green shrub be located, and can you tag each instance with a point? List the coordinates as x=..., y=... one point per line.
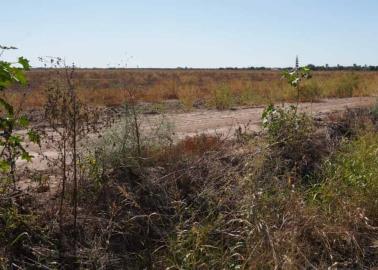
x=222, y=98
x=196, y=246
x=286, y=125
x=12, y=144
x=350, y=178
x=289, y=137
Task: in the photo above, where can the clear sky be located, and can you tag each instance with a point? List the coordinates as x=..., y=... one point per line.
x=193, y=33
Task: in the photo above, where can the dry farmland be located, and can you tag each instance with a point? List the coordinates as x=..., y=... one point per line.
x=219, y=89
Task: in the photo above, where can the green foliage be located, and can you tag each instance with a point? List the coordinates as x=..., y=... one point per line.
x=285, y=125
x=12, y=222
x=295, y=76
x=13, y=73
x=288, y=131
x=350, y=178
x=289, y=136
x=194, y=246
x=222, y=98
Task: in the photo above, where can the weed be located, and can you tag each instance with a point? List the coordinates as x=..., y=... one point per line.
x=69, y=121
x=187, y=97
x=127, y=144
x=350, y=178
x=222, y=98
x=10, y=119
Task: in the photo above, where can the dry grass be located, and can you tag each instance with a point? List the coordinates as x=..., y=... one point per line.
x=290, y=198
x=200, y=87
x=210, y=204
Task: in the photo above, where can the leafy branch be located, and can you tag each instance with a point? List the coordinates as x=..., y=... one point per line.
x=11, y=143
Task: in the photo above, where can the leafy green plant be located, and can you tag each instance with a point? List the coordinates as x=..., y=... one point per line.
x=287, y=131
x=10, y=118
x=350, y=178
x=295, y=78
x=284, y=125
x=289, y=136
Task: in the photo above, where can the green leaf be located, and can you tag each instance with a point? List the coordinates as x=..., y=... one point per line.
x=34, y=137
x=26, y=156
x=23, y=121
x=4, y=166
x=7, y=106
x=19, y=76
x=24, y=63
x=15, y=140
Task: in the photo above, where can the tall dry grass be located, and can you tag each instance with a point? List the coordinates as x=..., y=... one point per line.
x=193, y=88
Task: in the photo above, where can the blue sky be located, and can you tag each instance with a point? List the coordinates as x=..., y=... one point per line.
x=193, y=33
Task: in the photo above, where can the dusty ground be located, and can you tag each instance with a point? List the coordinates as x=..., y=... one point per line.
x=225, y=122
x=215, y=122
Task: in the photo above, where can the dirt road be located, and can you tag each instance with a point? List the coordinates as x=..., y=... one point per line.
x=216, y=122
x=224, y=122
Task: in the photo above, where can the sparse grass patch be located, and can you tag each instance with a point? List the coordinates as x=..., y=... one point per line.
x=250, y=96
x=187, y=96
x=311, y=91
x=222, y=98
x=347, y=85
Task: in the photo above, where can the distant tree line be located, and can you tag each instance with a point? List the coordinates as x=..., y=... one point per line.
x=326, y=67
x=354, y=67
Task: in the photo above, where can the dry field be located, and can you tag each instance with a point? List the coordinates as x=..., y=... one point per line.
x=220, y=89
x=113, y=187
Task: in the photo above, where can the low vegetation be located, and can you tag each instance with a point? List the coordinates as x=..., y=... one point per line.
x=220, y=89
x=301, y=194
